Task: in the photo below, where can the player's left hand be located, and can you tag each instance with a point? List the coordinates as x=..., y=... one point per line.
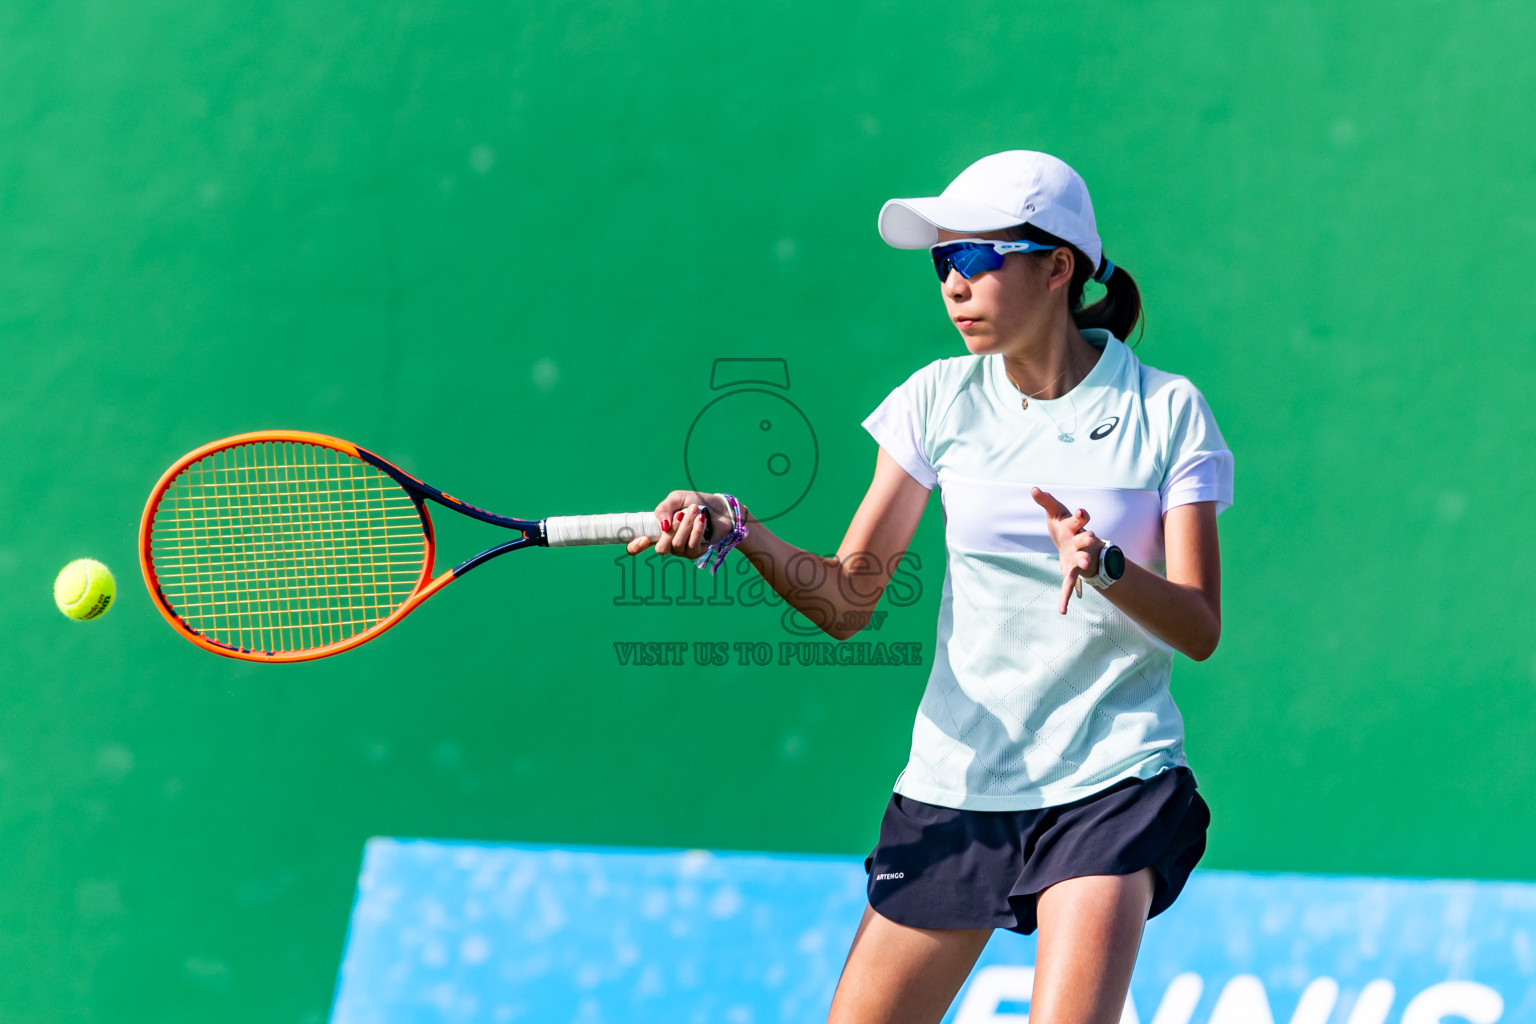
x=1078, y=546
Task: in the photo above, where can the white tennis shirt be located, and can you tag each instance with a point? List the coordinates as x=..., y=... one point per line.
x=1025, y=707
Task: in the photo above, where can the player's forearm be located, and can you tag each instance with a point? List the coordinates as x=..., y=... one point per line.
x=811, y=583
x=1183, y=617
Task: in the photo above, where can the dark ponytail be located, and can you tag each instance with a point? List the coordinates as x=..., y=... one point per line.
x=1118, y=312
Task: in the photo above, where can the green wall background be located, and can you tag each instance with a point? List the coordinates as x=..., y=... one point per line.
x=503, y=242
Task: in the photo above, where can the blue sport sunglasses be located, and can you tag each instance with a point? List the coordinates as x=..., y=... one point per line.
x=972, y=256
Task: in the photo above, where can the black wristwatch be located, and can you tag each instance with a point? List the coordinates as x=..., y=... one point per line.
x=1111, y=566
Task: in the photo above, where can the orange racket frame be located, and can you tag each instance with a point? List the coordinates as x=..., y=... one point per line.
x=553, y=532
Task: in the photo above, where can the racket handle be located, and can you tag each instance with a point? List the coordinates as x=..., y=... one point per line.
x=614, y=528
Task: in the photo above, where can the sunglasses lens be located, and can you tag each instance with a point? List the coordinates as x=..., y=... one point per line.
x=969, y=258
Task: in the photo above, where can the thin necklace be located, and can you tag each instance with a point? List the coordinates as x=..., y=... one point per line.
x=1025, y=396
x=1064, y=436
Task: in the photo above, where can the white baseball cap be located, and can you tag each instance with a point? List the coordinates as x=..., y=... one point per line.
x=1003, y=190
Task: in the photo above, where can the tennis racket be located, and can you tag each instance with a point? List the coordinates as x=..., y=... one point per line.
x=287, y=546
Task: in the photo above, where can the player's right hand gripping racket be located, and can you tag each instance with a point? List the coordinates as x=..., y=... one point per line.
x=288, y=546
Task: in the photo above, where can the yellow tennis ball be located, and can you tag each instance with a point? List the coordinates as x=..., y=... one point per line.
x=85, y=589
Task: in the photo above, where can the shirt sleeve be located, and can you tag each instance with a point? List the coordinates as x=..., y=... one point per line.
x=899, y=425
x=1200, y=466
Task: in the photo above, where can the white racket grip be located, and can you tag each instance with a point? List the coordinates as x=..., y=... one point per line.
x=613, y=528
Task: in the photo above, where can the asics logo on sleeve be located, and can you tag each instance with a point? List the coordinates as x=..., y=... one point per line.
x=1103, y=429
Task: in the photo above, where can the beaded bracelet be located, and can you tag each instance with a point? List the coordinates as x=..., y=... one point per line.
x=716, y=552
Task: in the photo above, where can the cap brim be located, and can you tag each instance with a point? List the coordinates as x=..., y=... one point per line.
x=915, y=223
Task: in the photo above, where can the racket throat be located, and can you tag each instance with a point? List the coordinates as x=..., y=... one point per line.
x=485, y=556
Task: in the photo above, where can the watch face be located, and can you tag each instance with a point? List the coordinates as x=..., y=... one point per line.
x=1114, y=562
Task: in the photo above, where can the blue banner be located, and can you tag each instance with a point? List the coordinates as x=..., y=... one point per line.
x=462, y=932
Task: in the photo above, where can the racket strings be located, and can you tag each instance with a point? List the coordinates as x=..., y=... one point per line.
x=281, y=546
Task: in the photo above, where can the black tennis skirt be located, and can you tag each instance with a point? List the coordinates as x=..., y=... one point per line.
x=939, y=867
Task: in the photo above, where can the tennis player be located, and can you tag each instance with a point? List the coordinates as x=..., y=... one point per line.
x=1047, y=785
